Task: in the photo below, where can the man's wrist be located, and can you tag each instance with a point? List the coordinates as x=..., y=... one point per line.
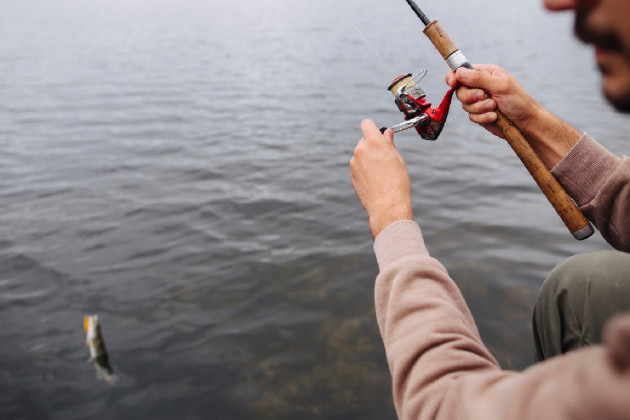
x=550, y=136
x=378, y=223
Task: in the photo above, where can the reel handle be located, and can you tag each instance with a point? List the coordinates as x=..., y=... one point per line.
x=566, y=208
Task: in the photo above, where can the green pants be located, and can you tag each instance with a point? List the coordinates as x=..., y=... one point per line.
x=577, y=299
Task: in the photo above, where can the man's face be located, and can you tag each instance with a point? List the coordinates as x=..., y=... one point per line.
x=606, y=25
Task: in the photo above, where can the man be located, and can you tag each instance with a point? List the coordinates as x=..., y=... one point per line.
x=439, y=366
x=581, y=294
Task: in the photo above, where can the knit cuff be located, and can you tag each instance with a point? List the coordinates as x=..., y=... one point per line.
x=399, y=240
x=585, y=168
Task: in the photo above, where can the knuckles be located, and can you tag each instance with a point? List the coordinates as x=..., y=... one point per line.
x=503, y=86
x=469, y=96
x=358, y=151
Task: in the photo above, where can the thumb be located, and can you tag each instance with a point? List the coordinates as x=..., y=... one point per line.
x=475, y=79
x=389, y=137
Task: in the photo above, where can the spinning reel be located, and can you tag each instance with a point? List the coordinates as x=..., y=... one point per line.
x=410, y=99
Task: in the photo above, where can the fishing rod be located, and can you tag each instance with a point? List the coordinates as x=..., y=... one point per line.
x=410, y=100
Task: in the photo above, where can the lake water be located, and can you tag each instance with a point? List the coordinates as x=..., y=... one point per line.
x=181, y=169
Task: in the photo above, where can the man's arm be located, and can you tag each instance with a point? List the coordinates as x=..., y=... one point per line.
x=597, y=180
x=440, y=368
x=550, y=136
x=442, y=371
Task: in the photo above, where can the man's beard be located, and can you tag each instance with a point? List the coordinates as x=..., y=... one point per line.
x=605, y=40
x=600, y=38
x=621, y=104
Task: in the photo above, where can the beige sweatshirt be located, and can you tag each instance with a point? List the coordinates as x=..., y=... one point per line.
x=439, y=366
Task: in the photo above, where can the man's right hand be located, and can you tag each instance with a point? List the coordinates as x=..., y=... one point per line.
x=487, y=88
x=504, y=91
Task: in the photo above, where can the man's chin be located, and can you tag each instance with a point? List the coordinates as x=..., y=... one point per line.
x=619, y=99
x=621, y=106
x=615, y=73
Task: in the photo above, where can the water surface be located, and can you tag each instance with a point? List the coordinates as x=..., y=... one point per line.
x=181, y=169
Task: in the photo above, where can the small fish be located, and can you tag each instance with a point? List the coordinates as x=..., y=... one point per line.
x=98, y=352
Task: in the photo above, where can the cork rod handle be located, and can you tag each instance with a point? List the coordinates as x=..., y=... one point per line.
x=566, y=208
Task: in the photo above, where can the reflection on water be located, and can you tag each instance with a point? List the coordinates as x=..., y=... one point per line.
x=181, y=169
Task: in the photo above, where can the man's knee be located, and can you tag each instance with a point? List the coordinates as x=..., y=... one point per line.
x=578, y=297
x=601, y=277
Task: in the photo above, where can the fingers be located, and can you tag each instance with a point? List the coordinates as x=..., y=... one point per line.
x=483, y=119
x=481, y=107
x=389, y=136
x=372, y=132
x=481, y=91
x=492, y=79
x=475, y=101
x=473, y=78
x=469, y=96
x=491, y=69
x=484, y=76
x=451, y=80
x=469, y=93
x=478, y=105
x=369, y=129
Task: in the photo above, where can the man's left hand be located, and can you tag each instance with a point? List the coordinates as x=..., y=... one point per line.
x=380, y=178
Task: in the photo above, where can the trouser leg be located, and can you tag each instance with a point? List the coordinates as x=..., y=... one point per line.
x=577, y=299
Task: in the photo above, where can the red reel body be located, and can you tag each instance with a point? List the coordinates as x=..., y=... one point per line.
x=410, y=99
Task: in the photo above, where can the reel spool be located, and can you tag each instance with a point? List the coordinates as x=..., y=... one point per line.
x=410, y=100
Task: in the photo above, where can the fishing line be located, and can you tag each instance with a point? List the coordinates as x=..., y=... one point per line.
x=368, y=43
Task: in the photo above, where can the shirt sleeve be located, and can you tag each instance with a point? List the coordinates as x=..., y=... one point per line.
x=440, y=368
x=599, y=182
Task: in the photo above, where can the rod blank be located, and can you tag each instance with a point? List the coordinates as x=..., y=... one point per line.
x=418, y=12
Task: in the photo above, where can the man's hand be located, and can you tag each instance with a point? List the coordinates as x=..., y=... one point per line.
x=505, y=92
x=550, y=137
x=380, y=178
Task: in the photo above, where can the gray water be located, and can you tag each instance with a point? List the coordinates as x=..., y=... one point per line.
x=181, y=169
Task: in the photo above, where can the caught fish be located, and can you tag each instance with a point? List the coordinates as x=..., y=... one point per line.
x=98, y=352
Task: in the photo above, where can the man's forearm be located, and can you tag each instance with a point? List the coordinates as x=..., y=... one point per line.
x=550, y=136
x=442, y=371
